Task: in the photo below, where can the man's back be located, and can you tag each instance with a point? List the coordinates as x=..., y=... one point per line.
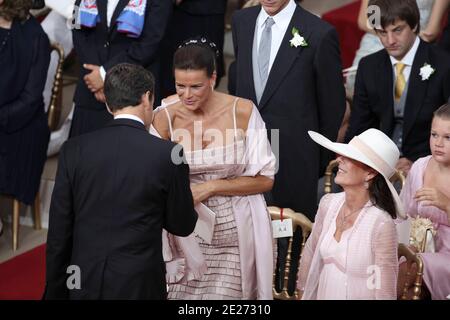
x=115, y=191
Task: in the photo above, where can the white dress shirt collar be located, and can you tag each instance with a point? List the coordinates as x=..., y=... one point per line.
x=279, y=29
x=281, y=19
x=129, y=116
x=111, y=7
x=408, y=59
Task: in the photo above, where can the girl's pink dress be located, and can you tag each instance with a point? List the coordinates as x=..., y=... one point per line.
x=436, y=265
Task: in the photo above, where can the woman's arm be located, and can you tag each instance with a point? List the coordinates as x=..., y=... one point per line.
x=433, y=29
x=240, y=186
x=362, y=17
x=384, y=273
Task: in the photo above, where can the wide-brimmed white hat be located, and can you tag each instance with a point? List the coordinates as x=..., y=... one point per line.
x=374, y=149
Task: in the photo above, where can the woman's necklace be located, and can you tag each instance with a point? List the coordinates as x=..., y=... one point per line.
x=346, y=216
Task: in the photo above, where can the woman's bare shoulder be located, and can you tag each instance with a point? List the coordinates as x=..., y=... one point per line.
x=244, y=109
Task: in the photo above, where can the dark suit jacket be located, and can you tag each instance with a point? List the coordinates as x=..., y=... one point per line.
x=304, y=92
x=107, y=47
x=116, y=189
x=373, y=102
x=203, y=7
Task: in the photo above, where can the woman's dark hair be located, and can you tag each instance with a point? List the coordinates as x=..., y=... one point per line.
x=391, y=10
x=381, y=195
x=443, y=112
x=16, y=9
x=125, y=84
x=196, y=54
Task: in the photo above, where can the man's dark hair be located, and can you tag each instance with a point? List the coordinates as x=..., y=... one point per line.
x=391, y=10
x=125, y=84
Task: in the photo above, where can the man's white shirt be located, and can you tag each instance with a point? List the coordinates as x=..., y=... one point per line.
x=407, y=60
x=112, y=4
x=282, y=20
x=129, y=116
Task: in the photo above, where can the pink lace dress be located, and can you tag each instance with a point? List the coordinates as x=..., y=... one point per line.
x=238, y=262
x=436, y=265
x=222, y=279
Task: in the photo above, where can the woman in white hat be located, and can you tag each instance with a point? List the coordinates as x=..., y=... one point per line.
x=352, y=250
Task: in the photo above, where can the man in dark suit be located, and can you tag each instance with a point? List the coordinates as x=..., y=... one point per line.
x=107, y=33
x=398, y=88
x=296, y=82
x=116, y=189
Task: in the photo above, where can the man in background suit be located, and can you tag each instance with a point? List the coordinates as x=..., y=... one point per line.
x=297, y=87
x=390, y=92
x=116, y=189
x=192, y=18
x=106, y=33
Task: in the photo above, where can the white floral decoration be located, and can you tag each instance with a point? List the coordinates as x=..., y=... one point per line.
x=426, y=71
x=297, y=40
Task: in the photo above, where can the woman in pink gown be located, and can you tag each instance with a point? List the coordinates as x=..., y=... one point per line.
x=231, y=164
x=426, y=194
x=352, y=250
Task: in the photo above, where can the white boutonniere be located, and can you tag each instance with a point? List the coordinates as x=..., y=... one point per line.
x=426, y=71
x=297, y=40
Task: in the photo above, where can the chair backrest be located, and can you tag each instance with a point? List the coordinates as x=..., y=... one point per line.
x=54, y=109
x=329, y=175
x=411, y=259
x=398, y=177
x=299, y=220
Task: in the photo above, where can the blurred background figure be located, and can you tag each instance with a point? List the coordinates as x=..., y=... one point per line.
x=192, y=18
x=107, y=33
x=24, y=133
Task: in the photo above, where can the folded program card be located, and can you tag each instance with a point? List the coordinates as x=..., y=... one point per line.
x=205, y=223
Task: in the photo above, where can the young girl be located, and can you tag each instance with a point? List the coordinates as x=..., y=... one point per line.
x=427, y=194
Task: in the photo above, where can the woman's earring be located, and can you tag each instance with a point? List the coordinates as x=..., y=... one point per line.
x=366, y=185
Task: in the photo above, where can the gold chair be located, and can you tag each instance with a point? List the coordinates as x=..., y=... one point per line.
x=54, y=109
x=53, y=115
x=329, y=175
x=298, y=221
x=397, y=177
x=412, y=259
x=419, y=234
